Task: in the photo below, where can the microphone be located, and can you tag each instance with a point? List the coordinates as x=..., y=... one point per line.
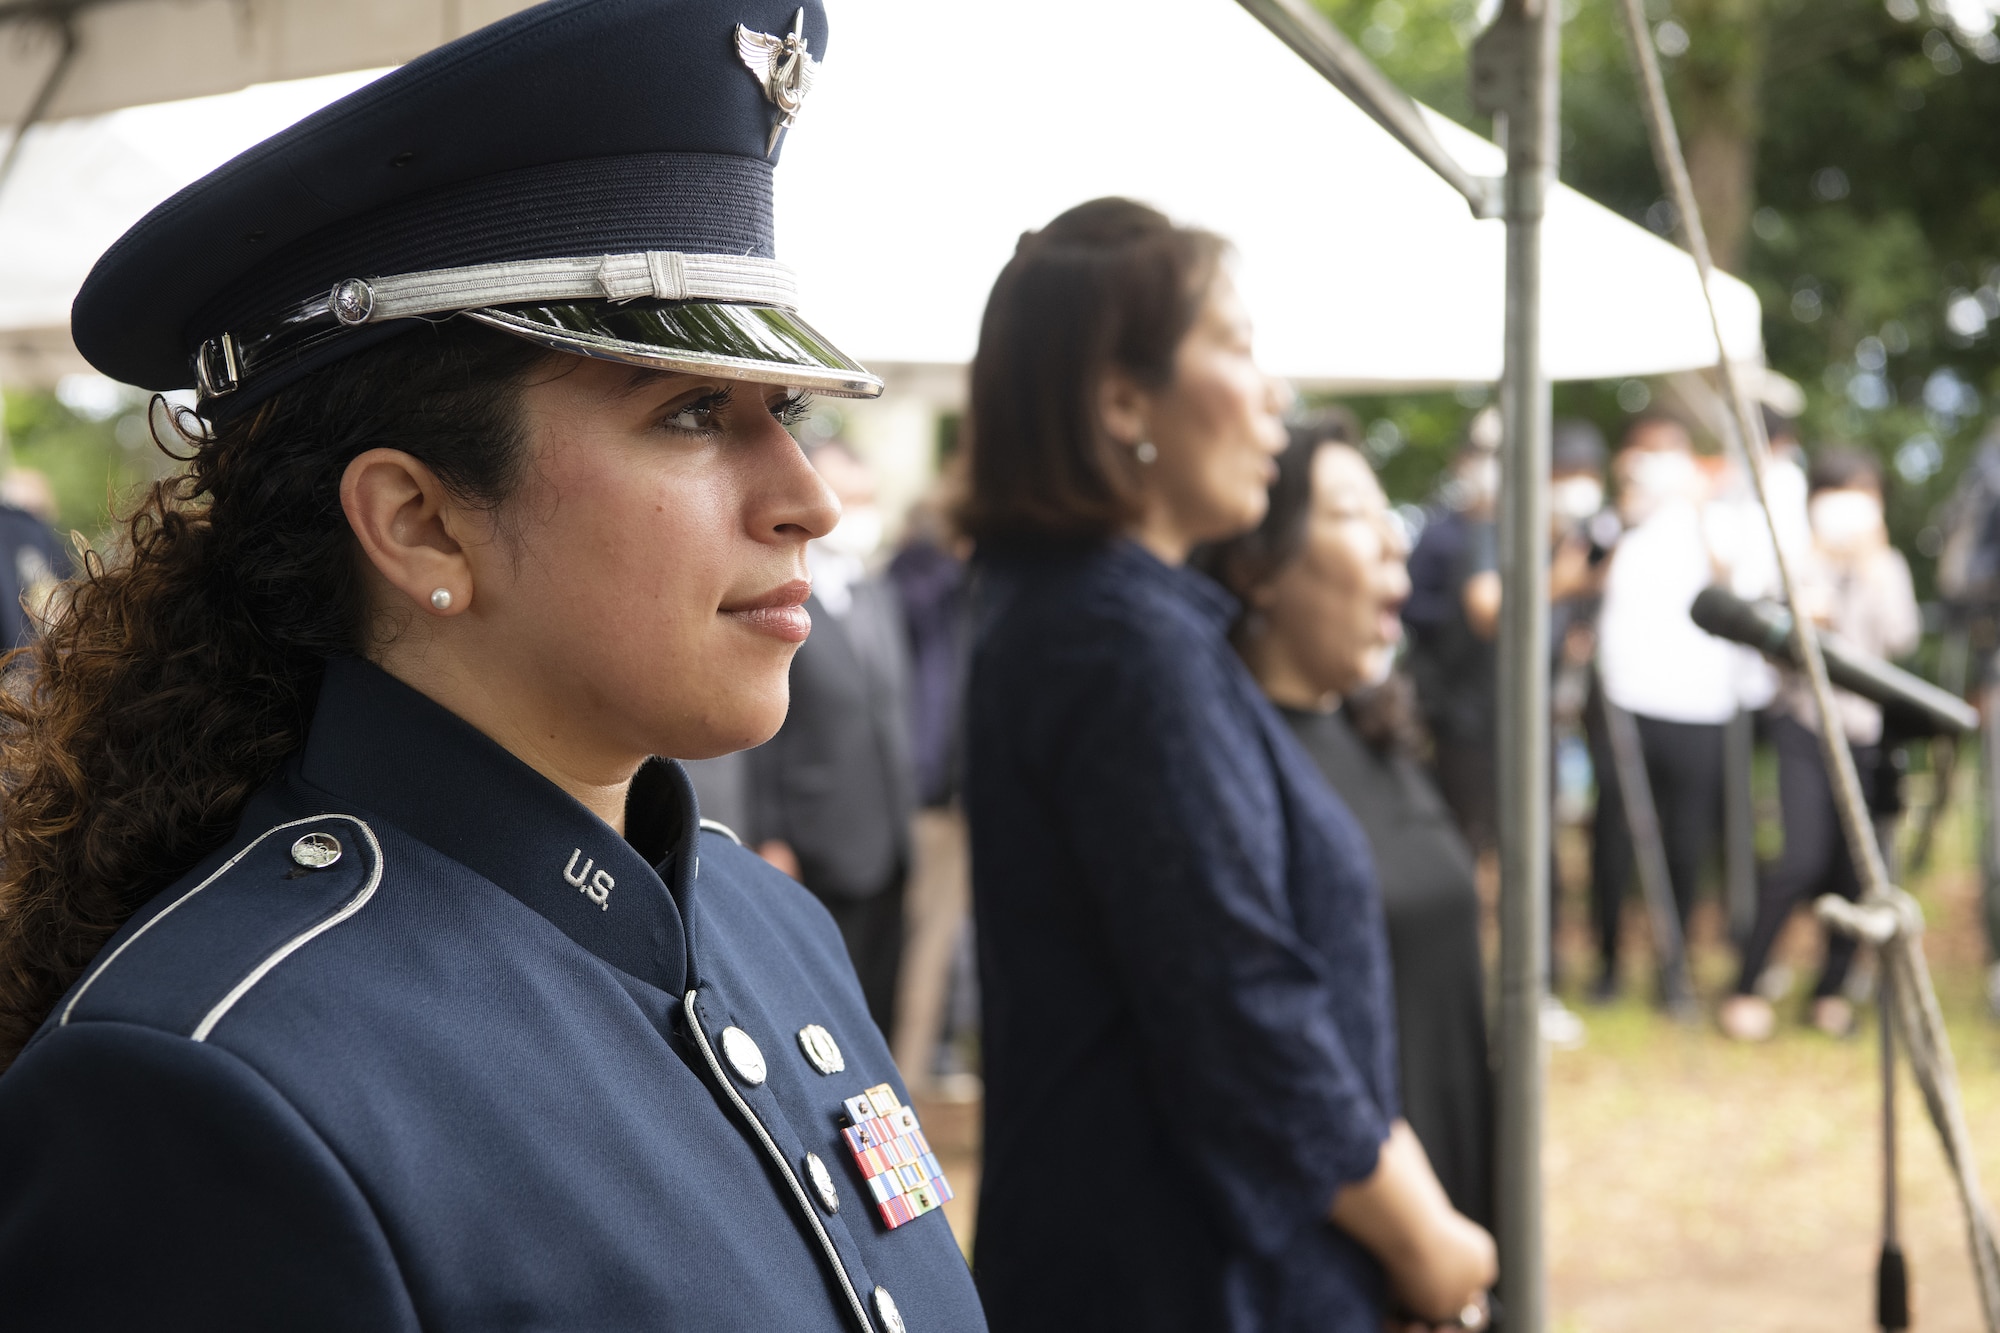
x=1911, y=705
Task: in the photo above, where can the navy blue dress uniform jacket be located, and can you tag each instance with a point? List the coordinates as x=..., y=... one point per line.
x=451, y=1081
x=1189, y=1036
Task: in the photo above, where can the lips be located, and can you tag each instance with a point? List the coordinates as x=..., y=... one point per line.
x=780, y=613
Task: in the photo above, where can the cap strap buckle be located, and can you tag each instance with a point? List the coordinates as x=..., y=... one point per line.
x=218, y=369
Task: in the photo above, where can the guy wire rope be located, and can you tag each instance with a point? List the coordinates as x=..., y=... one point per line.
x=1886, y=915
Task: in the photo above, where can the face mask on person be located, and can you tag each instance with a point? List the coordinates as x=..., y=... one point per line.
x=1659, y=477
x=858, y=534
x=1477, y=482
x=1574, y=499
x=1844, y=522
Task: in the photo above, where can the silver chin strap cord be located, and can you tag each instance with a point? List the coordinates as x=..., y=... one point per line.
x=1886, y=916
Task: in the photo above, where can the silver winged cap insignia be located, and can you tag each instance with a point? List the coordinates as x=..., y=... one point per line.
x=783, y=67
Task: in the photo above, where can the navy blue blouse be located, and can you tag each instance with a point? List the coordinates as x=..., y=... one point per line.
x=1189, y=1040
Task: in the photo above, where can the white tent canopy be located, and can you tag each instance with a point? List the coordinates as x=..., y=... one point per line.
x=134, y=51
x=940, y=131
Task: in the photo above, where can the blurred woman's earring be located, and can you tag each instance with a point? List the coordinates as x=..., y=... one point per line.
x=441, y=599
x=1145, y=451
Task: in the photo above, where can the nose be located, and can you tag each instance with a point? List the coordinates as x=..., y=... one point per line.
x=1396, y=541
x=797, y=502
x=1279, y=394
x=1396, y=579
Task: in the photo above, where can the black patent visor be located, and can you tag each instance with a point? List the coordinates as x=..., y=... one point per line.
x=759, y=343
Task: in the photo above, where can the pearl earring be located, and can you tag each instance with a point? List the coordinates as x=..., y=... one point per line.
x=1145, y=451
x=441, y=599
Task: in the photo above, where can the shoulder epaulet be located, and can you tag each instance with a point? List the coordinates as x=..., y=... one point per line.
x=185, y=966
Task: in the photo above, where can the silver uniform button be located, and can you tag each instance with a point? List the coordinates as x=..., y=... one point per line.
x=822, y=1181
x=316, y=851
x=821, y=1049
x=886, y=1311
x=743, y=1055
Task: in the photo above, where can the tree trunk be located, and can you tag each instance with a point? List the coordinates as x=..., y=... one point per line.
x=1716, y=89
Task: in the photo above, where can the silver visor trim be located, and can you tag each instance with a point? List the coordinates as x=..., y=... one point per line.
x=762, y=344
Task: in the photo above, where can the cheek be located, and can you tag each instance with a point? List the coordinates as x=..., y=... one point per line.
x=1345, y=603
x=621, y=581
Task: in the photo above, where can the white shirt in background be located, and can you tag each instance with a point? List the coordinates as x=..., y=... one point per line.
x=1651, y=658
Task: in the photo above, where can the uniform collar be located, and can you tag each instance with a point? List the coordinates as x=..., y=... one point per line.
x=390, y=750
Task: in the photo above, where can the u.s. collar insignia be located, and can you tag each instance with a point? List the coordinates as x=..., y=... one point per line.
x=783, y=67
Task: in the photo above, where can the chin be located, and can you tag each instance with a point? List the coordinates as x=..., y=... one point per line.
x=739, y=721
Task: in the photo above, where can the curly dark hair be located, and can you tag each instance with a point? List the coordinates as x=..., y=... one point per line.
x=178, y=674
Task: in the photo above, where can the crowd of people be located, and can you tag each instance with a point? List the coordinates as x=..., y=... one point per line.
x=1622, y=577
x=392, y=925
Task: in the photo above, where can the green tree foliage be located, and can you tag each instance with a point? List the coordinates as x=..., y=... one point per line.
x=95, y=454
x=1871, y=230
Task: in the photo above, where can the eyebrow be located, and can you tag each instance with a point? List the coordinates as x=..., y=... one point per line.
x=640, y=378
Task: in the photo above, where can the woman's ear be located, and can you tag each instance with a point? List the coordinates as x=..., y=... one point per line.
x=1124, y=410
x=410, y=528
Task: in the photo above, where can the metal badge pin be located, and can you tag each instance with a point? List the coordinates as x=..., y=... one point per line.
x=352, y=301
x=782, y=67
x=821, y=1049
x=822, y=1181
x=316, y=851
x=743, y=1055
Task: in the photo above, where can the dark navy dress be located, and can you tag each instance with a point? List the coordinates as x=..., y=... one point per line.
x=1189, y=1041
x=486, y=1070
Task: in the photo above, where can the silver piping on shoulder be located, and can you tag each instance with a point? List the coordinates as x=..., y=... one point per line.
x=777, y=1156
x=717, y=826
x=168, y=910
x=303, y=938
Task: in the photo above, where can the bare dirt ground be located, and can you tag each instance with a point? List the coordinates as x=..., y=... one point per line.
x=1698, y=1186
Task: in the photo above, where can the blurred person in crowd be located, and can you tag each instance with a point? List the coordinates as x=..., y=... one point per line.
x=928, y=576
x=1453, y=617
x=1582, y=533
x=1187, y=1005
x=1321, y=581
x=1855, y=585
x=32, y=557
x=831, y=795
x=1678, y=683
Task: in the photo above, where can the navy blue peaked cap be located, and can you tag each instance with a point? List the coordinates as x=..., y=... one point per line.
x=593, y=174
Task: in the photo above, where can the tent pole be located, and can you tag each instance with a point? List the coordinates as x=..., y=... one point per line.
x=1515, y=73
x=66, y=30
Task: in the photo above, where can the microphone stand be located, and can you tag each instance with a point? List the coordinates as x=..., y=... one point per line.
x=1886, y=916
x=1892, y=1277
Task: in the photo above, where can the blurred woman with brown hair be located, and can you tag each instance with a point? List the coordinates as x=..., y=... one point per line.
x=1192, y=1115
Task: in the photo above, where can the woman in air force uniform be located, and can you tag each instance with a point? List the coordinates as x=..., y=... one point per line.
x=358, y=969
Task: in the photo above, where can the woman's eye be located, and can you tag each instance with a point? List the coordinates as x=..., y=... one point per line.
x=698, y=417
x=792, y=410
